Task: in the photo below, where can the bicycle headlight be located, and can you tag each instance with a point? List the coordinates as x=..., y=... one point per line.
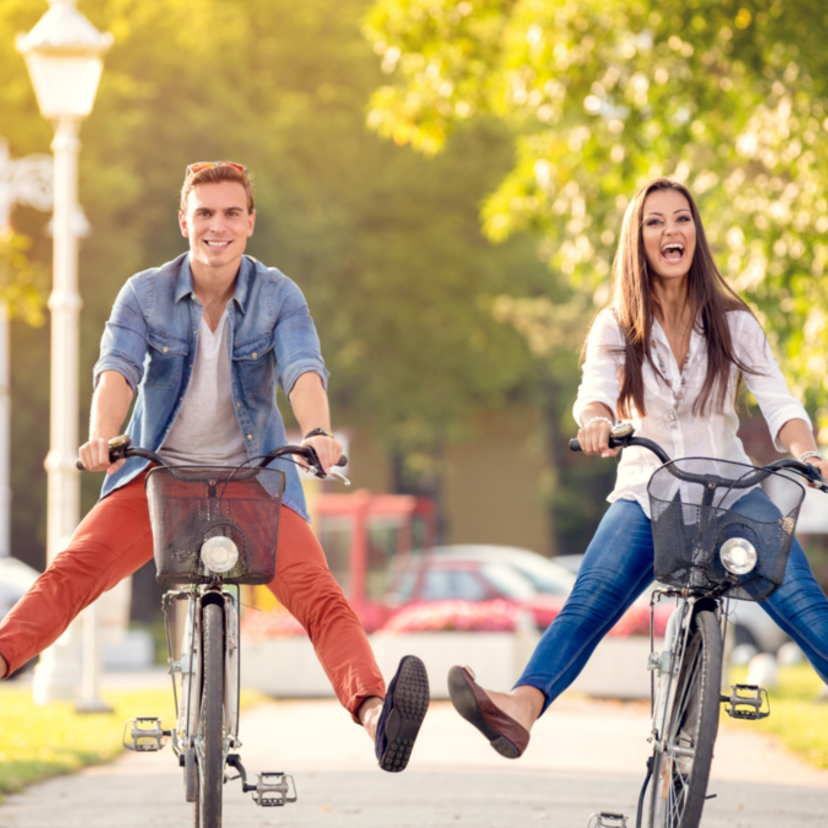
x=219, y=554
x=738, y=556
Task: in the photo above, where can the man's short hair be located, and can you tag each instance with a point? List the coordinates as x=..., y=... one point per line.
x=213, y=175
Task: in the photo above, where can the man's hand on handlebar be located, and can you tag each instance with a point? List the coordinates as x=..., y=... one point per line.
x=327, y=449
x=94, y=455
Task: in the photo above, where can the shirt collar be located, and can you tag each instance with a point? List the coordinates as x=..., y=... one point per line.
x=246, y=272
x=184, y=281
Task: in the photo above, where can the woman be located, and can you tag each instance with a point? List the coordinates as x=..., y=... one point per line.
x=668, y=354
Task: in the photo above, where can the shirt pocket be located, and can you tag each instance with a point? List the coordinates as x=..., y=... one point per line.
x=166, y=361
x=254, y=363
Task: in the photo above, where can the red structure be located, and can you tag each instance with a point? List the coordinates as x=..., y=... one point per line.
x=366, y=537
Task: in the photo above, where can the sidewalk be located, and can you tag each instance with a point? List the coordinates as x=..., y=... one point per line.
x=585, y=756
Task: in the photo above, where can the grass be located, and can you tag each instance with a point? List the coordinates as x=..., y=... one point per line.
x=797, y=717
x=39, y=742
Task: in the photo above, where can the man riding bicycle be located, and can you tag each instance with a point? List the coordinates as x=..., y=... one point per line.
x=204, y=340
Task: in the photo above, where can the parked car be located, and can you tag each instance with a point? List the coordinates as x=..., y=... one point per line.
x=15, y=580
x=485, y=572
x=477, y=573
x=545, y=574
x=751, y=624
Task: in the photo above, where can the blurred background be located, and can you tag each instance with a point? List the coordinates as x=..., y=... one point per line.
x=445, y=181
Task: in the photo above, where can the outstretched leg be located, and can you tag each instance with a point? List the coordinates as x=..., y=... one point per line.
x=616, y=569
x=306, y=588
x=111, y=542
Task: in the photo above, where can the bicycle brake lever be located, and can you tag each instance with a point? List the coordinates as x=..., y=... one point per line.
x=340, y=477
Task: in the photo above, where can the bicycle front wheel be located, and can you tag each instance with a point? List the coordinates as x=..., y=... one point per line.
x=682, y=768
x=210, y=736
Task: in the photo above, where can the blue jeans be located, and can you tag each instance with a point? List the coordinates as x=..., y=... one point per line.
x=618, y=567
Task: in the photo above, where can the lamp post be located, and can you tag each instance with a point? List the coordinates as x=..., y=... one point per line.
x=64, y=56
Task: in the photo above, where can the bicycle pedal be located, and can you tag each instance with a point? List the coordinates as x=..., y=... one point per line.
x=606, y=819
x=273, y=789
x=146, y=734
x=747, y=701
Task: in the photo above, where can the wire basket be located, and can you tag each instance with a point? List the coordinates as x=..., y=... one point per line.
x=188, y=505
x=691, y=521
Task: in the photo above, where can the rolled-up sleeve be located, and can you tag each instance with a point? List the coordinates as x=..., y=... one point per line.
x=604, y=354
x=768, y=384
x=124, y=341
x=296, y=343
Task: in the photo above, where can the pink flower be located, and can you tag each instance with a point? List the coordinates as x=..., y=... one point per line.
x=462, y=616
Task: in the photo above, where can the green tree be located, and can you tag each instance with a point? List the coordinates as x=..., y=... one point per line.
x=386, y=244
x=730, y=97
x=22, y=281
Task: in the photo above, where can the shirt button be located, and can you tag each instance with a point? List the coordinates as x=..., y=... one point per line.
x=249, y=436
x=238, y=405
x=166, y=349
x=255, y=355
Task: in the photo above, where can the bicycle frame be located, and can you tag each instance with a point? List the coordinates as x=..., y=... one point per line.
x=187, y=670
x=665, y=665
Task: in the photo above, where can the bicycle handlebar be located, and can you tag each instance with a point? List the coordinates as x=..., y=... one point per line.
x=123, y=450
x=806, y=470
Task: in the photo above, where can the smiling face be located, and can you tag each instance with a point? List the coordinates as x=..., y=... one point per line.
x=218, y=225
x=668, y=233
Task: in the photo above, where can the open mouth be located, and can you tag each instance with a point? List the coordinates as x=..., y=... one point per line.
x=673, y=252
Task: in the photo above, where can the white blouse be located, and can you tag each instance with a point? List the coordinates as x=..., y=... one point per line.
x=670, y=420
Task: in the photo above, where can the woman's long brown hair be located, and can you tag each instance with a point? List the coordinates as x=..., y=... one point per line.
x=710, y=300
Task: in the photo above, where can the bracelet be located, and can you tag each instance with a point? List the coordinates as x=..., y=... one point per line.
x=809, y=454
x=606, y=420
x=318, y=432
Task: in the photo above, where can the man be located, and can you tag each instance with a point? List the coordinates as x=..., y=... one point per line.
x=204, y=340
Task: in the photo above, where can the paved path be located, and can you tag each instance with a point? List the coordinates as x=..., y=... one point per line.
x=584, y=757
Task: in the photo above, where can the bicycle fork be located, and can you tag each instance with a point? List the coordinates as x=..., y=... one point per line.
x=146, y=733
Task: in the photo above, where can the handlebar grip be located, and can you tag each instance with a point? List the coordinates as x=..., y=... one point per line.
x=614, y=442
x=79, y=465
x=343, y=461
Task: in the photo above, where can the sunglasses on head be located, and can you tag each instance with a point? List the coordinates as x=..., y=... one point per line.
x=206, y=165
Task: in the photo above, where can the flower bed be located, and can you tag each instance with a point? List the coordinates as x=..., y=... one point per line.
x=455, y=616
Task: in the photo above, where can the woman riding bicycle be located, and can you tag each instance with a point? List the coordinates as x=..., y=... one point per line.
x=669, y=355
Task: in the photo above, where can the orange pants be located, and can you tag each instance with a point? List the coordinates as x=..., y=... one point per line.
x=115, y=539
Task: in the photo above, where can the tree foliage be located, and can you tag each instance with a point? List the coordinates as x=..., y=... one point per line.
x=385, y=244
x=601, y=95
x=22, y=281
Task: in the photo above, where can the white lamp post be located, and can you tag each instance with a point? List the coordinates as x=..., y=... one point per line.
x=64, y=56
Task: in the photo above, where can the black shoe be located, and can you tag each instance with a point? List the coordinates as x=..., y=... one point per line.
x=402, y=714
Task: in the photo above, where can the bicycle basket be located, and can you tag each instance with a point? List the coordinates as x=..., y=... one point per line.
x=188, y=505
x=691, y=521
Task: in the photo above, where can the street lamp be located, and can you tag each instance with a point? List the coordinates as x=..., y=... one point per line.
x=64, y=56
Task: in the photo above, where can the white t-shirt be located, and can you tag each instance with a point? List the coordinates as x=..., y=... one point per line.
x=206, y=431
x=670, y=420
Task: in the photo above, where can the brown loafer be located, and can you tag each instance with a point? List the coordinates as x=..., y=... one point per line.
x=508, y=737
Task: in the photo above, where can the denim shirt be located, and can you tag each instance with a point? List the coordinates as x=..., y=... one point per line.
x=151, y=338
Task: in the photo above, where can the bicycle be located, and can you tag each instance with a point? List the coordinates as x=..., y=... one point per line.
x=213, y=529
x=706, y=553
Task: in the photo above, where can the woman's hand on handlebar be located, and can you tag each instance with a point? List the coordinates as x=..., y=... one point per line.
x=819, y=463
x=594, y=434
x=327, y=449
x=94, y=455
